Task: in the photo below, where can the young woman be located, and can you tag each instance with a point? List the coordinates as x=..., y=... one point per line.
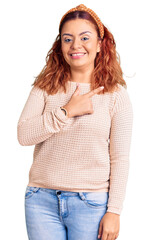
x=79, y=117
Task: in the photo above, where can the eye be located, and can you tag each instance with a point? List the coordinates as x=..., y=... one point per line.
x=85, y=38
x=65, y=40
x=68, y=39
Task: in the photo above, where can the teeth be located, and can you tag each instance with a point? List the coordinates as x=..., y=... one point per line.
x=77, y=54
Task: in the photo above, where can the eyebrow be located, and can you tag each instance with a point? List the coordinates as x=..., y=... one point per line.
x=72, y=35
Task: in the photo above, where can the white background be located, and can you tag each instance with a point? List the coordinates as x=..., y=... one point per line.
x=28, y=30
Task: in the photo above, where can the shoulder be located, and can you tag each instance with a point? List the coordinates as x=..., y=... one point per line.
x=120, y=99
x=41, y=93
x=121, y=94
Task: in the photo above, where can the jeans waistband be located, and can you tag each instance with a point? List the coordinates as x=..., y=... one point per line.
x=59, y=192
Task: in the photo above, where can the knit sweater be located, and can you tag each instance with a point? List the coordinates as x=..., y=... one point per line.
x=87, y=153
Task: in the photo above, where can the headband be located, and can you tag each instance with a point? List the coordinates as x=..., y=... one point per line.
x=82, y=7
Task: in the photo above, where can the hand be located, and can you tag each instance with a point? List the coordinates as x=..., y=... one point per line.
x=109, y=226
x=81, y=104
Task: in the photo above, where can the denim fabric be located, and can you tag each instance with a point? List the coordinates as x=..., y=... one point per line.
x=63, y=215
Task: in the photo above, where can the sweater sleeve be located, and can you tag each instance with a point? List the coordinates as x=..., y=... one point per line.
x=120, y=140
x=34, y=126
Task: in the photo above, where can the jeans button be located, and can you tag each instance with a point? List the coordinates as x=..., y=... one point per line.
x=59, y=192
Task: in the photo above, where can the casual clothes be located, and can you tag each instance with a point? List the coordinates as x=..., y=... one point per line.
x=87, y=153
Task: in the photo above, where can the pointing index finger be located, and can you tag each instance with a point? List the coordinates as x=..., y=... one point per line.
x=94, y=91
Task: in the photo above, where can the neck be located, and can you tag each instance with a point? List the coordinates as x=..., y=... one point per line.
x=81, y=75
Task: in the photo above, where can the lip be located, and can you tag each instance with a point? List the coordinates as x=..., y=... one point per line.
x=77, y=57
x=75, y=53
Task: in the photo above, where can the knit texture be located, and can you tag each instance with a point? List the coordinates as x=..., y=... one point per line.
x=87, y=153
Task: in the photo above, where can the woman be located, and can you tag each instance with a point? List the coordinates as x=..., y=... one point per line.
x=79, y=117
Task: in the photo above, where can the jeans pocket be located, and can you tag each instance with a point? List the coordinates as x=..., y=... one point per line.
x=95, y=199
x=29, y=192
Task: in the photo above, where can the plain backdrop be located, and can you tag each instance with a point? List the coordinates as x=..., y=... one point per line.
x=28, y=30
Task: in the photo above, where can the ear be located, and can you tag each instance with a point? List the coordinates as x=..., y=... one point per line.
x=99, y=46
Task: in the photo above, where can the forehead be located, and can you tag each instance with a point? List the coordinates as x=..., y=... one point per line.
x=78, y=25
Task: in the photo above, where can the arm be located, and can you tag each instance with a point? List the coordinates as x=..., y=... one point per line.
x=120, y=140
x=34, y=126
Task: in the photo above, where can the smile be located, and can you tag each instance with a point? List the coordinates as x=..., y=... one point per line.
x=77, y=55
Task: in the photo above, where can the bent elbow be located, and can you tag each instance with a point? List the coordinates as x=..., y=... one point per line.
x=21, y=136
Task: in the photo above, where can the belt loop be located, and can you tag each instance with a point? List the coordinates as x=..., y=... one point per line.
x=36, y=189
x=81, y=195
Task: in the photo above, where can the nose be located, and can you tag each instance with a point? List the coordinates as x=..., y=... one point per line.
x=76, y=43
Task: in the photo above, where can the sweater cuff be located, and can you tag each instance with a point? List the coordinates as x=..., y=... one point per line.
x=60, y=114
x=114, y=210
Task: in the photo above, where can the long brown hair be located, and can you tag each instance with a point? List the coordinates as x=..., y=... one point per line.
x=107, y=71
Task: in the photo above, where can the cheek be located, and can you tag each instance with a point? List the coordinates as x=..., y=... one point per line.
x=90, y=47
x=65, y=50
x=63, y=47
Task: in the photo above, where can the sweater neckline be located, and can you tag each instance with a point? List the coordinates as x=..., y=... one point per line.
x=83, y=84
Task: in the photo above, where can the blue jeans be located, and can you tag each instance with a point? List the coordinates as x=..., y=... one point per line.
x=63, y=215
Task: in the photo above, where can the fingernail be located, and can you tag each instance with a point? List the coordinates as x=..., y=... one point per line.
x=98, y=236
x=102, y=87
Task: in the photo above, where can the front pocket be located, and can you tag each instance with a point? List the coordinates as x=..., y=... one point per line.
x=95, y=199
x=30, y=191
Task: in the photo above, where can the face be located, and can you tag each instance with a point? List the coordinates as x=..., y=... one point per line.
x=79, y=36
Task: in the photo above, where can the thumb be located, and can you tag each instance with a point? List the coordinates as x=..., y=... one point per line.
x=100, y=231
x=77, y=91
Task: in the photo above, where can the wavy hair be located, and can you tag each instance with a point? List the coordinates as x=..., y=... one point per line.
x=107, y=71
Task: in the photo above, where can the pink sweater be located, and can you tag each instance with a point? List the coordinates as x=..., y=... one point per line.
x=88, y=153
